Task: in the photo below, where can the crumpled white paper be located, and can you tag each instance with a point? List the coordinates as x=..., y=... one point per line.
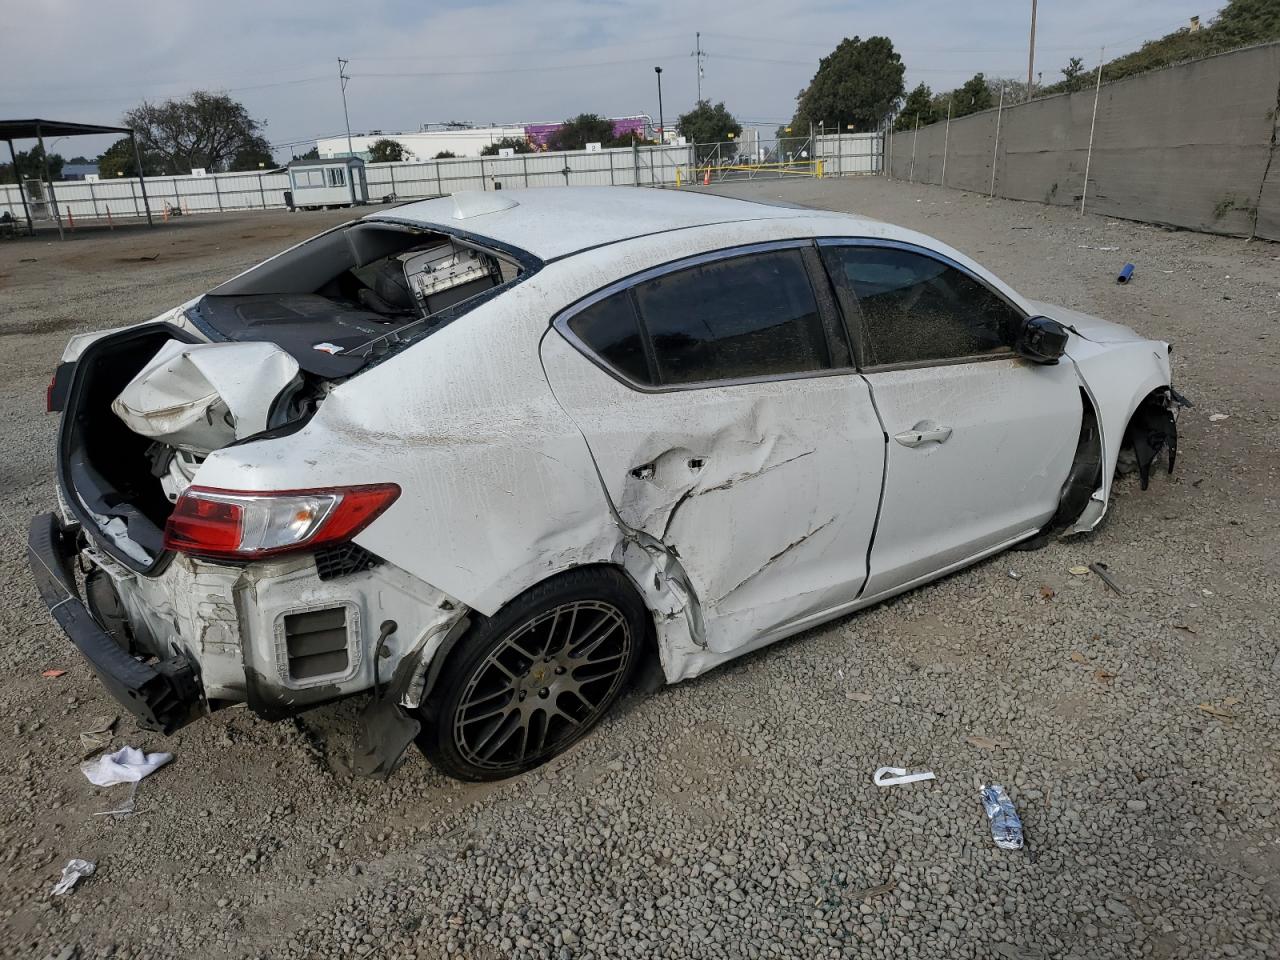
x=126, y=765
x=72, y=874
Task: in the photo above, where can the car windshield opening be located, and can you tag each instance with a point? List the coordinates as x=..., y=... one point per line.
x=336, y=301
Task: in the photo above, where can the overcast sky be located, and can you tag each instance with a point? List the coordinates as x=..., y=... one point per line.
x=515, y=60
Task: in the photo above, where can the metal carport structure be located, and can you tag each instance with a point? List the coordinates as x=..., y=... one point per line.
x=11, y=130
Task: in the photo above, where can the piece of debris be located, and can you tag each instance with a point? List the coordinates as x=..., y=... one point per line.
x=1014, y=575
x=866, y=893
x=1216, y=417
x=1085, y=246
x=1219, y=712
x=145, y=259
x=1103, y=676
x=125, y=809
x=329, y=348
x=1183, y=626
x=72, y=873
x=53, y=674
x=1078, y=571
x=1102, y=570
x=1125, y=275
x=859, y=697
x=984, y=743
x=1006, y=827
x=892, y=776
x=29, y=260
x=126, y=765
x=1046, y=592
x=1078, y=657
x=97, y=737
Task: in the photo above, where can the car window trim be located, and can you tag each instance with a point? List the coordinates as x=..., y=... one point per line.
x=856, y=328
x=561, y=320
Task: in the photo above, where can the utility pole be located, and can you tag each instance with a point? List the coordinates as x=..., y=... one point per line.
x=662, y=127
x=1031, y=49
x=342, y=80
x=699, y=53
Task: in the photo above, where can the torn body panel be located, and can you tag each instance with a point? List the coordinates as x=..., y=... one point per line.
x=1117, y=377
x=765, y=492
x=273, y=634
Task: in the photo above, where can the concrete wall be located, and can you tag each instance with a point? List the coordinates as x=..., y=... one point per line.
x=1192, y=146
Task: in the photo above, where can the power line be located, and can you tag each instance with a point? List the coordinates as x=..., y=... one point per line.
x=505, y=70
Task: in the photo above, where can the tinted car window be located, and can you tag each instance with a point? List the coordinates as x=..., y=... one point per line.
x=609, y=328
x=914, y=308
x=747, y=316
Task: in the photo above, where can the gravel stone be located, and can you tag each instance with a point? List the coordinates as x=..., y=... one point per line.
x=732, y=816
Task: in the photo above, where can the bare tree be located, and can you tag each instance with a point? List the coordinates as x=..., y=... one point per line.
x=205, y=129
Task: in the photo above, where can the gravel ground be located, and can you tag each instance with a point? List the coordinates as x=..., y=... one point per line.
x=732, y=816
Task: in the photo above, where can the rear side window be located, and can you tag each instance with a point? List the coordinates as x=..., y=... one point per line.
x=913, y=308
x=748, y=316
x=610, y=329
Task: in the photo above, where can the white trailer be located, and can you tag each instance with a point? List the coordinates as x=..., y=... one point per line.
x=327, y=182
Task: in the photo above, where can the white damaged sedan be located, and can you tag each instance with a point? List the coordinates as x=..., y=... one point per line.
x=489, y=456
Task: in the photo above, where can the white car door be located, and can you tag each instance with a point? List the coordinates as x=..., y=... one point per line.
x=721, y=407
x=980, y=440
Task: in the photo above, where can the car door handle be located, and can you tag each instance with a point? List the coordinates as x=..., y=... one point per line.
x=923, y=433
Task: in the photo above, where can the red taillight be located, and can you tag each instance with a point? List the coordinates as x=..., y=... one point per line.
x=48, y=394
x=199, y=525
x=241, y=524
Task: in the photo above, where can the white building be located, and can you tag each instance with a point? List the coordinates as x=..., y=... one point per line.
x=464, y=142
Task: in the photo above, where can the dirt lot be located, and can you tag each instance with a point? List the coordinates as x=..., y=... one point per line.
x=733, y=816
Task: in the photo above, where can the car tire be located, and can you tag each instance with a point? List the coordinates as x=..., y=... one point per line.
x=524, y=685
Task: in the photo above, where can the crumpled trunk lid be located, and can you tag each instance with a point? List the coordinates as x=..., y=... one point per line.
x=198, y=397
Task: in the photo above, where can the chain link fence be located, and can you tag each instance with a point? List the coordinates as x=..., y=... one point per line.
x=651, y=166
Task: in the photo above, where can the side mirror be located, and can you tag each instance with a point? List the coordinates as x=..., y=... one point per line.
x=1041, y=340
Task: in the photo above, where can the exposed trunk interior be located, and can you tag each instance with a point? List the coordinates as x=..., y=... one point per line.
x=149, y=404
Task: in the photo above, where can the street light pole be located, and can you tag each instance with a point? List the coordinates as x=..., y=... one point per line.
x=662, y=127
x=342, y=80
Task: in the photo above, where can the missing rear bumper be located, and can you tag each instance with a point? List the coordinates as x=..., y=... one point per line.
x=164, y=695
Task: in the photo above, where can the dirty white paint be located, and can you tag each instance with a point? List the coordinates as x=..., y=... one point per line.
x=997, y=475
x=742, y=513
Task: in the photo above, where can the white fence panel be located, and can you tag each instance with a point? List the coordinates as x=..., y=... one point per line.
x=850, y=153
x=621, y=166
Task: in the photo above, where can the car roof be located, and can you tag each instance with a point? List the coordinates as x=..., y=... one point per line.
x=554, y=223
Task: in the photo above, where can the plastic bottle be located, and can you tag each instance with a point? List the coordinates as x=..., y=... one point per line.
x=1006, y=827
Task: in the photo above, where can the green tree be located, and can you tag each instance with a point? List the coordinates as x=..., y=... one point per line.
x=629, y=139
x=1073, y=73
x=204, y=130
x=30, y=167
x=445, y=155
x=707, y=125
x=518, y=144
x=387, y=150
x=858, y=83
x=918, y=106
x=1238, y=24
x=576, y=133
x=254, y=154
x=312, y=154
x=975, y=95
x=118, y=161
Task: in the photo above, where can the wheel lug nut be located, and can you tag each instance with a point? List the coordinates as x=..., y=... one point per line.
x=543, y=693
x=559, y=670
